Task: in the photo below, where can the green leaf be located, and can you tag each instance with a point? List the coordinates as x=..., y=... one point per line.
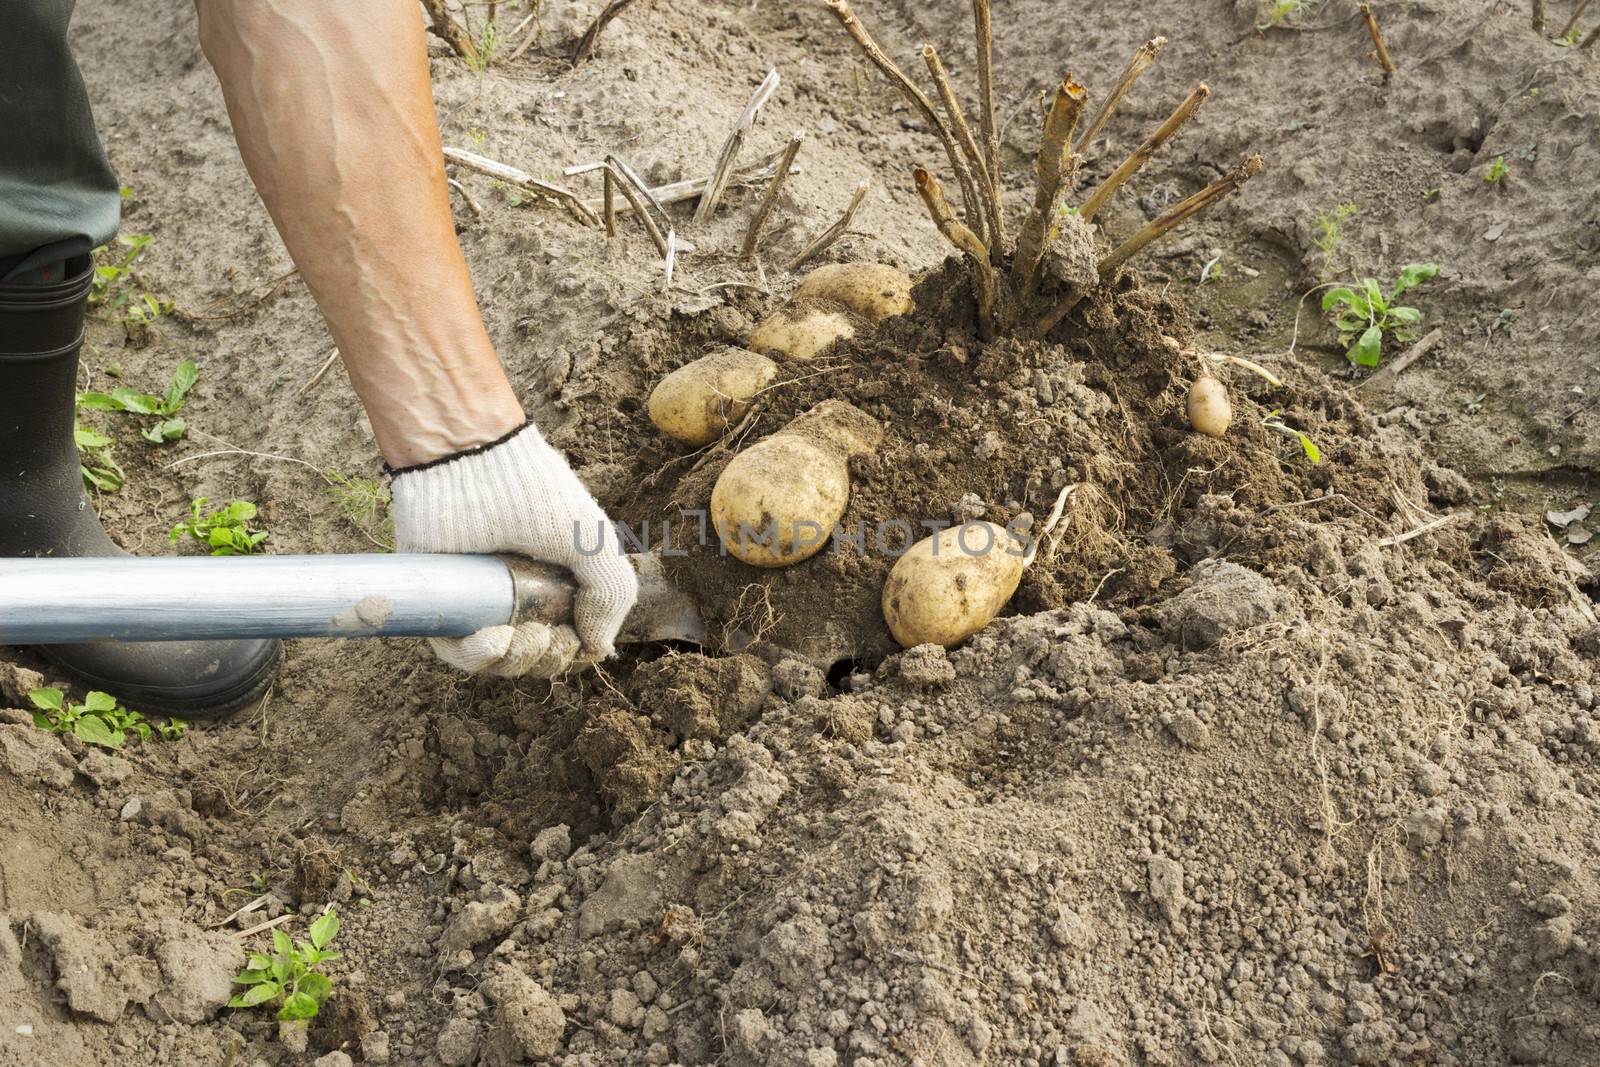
x=93, y=730
x=47, y=698
x=97, y=402
x=1374, y=293
x=1341, y=295
x=165, y=430
x=98, y=701
x=256, y=994
x=1313, y=453
x=1405, y=316
x=258, y=961
x=183, y=380
x=298, y=1006
x=316, y=986
x=251, y=976
x=1413, y=274
x=325, y=928
x=1368, y=347
x=281, y=943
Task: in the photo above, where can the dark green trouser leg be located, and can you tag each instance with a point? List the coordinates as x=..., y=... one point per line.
x=58, y=196
x=58, y=200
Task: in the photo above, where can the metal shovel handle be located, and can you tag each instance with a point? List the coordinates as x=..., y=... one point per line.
x=128, y=598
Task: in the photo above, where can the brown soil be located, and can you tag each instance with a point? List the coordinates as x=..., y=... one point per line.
x=1242, y=779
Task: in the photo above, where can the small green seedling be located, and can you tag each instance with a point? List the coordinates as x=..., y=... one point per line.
x=291, y=977
x=365, y=504
x=1568, y=39
x=165, y=407
x=1276, y=424
x=1330, y=230
x=1366, y=315
x=1497, y=171
x=99, y=720
x=95, y=462
x=226, y=530
x=117, y=288
x=1274, y=13
x=487, y=44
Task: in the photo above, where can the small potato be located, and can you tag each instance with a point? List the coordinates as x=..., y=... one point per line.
x=947, y=587
x=1210, y=411
x=777, y=502
x=872, y=290
x=800, y=332
x=838, y=426
x=697, y=402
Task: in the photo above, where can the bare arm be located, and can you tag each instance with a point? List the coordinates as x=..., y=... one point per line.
x=332, y=109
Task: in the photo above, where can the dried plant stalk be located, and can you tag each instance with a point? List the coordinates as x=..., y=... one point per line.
x=881, y=60
x=1576, y=15
x=1141, y=155
x=514, y=176
x=1384, y=59
x=752, y=236
x=987, y=125
x=1055, y=162
x=980, y=170
x=591, y=37
x=1173, y=217
x=837, y=230
x=1143, y=57
x=1594, y=35
x=624, y=178
x=608, y=200
x=448, y=30
x=717, y=184
x=971, y=246
x=1538, y=17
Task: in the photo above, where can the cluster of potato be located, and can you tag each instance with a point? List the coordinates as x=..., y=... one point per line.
x=777, y=501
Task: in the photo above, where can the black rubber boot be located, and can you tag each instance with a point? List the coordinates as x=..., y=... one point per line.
x=44, y=512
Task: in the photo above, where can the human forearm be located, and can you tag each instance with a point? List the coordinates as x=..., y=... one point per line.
x=333, y=113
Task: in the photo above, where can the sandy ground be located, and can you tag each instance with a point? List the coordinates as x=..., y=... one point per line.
x=1303, y=797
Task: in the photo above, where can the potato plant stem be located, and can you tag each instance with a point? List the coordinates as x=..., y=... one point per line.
x=518, y=177
x=1055, y=162
x=1594, y=35
x=609, y=200
x=967, y=242
x=1142, y=154
x=836, y=231
x=958, y=120
x=1384, y=59
x=987, y=125
x=1142, y=59
x=752, y=236
x=591, y=37
x=1173, y=217
x=1577, y=13
x=717, y=183
x=881, y=60
x=621, y=176
x=1538, y=17
x=448, y=30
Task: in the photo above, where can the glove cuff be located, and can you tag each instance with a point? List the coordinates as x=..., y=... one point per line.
x=526, y=424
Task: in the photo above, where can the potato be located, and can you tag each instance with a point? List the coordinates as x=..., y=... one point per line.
x=777, y=502
x=947, y=587
x=872, y=290
x=697, y=402
x=1210, y=412
x=800, y=332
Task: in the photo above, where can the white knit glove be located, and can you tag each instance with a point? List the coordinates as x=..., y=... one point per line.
x=520, y=496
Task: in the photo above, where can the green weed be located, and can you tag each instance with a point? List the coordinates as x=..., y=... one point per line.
x=116, y=287
x=291, y=977
x=1330, y=230
x=1497, y=171
x=365, y=504
x=99, y=720
x=226, y=530
x=1368, y=316
x=99, y=468
x=1568, y=39
x=487, y=44
x=165, y=407
x=1275, y=13
x=1276, y=424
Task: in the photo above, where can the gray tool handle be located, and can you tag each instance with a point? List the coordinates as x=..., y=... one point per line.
x=128, y=598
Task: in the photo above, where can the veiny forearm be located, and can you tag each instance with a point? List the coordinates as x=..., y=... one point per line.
x=333, y=113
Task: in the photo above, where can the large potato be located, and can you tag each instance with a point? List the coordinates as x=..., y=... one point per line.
x=872, y=290
x=777, y=502
x=800, y=332
x=947, y=587
x=697, y=402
